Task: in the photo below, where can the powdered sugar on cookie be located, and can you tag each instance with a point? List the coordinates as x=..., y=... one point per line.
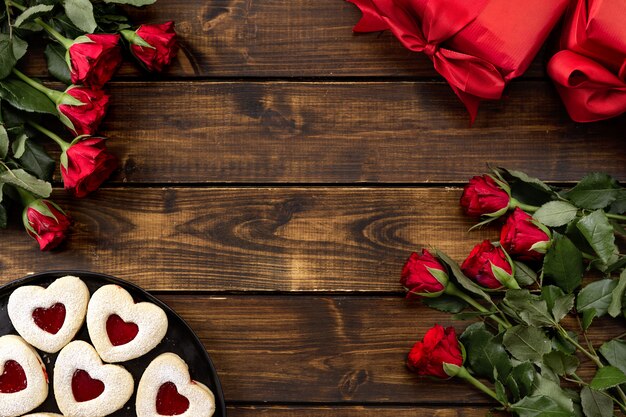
x=167, y=383
x=24, y=384
x=120, y=329
x=85, y=387
x=49, y=318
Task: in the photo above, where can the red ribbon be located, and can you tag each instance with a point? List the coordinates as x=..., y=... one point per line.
x=472, y=78
x=589, y=90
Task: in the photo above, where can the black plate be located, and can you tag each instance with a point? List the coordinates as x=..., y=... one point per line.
x=180, y=339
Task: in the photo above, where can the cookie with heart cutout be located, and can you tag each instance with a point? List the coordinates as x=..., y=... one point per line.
x=23, y=378
x=166, y=389
x=49, y=318
x=86, y=387
x=121, y=330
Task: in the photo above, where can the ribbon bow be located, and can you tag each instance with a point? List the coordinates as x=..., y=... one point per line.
x=589, y=90
x=422, y=26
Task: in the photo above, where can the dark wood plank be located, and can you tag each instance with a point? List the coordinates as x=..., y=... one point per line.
x=270, y=38
x=327, y=349
x=205, y=132
x=356, y=411
x=259, y=239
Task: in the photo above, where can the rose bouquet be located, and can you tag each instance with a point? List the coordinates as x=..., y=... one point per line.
x=84, y=48
x=535, y=299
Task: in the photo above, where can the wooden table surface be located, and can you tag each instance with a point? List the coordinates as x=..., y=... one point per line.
x=276, y=178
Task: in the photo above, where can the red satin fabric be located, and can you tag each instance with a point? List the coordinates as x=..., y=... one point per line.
x=590, y=71
x=478, y=45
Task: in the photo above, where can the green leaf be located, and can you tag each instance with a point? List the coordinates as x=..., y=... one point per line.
x=563, y=263
x=3, y=216
x=607, y=377
x=526, y=343
x=22, y=179
x=530, y=309
x=551, y=388
x=19, y=145
x=527, y=189
x=20, y=47
x=558, y=303
x=464, y=281
x=36, y=161
x=563, y=345
x=561, y=363
x=595, y=191
x=596, y=295
x=615, y=307
x=521, y=380
x=597, y=230
x=485, y=352
x=24, y=97
x=596, y=403
x=524, y=275
x=137, y=3
x=80, y=13
x=540, y=406
x=7, y=57
x=556, y=213
x=588, y=316
x=57, y=65
x=614, y=351
x=4, y=142
x=445, y=303
x=619, y=205
x=32, y=12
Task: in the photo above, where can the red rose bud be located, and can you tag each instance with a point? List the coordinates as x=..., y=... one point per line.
x=423, y=275
x=155, y=46
x=94, y=59
x=82, y=109
x=522, y=238
x=489, y=266
x=440, y=346
x=86, y=165
x=46, y=223
x=483, y=197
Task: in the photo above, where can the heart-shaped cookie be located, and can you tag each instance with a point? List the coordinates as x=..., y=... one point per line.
x=166, y=389
x=120, y=329
x=49, y=318
x=23, y=377
x=85, y=387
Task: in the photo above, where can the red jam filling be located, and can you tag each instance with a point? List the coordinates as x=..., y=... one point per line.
x=169, y=402
x=119, y=331
x=13, y=379
x=50, y=319
x=84, y=387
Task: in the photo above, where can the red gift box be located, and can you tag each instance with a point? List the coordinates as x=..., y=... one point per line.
x=590, y=70
x=478, y=45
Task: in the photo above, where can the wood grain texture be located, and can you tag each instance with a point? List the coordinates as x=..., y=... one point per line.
x=357, y=411
x=259, y=239
x=204, y=132
x=276, y=38
x=328, y=349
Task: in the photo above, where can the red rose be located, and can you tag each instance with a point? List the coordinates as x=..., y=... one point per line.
x=439, y=346
x=155, y=46
x=46, y=223
x=418, y=275
x=88, y=165
x=94, y=59
x=482, y=196
x=478, y=265
x=522, y=238
x=83, y=111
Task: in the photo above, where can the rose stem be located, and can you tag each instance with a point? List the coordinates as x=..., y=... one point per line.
x=464, y=374
x=54, y=33
x=63, y=144
x=54, y=95
x=452, y=289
